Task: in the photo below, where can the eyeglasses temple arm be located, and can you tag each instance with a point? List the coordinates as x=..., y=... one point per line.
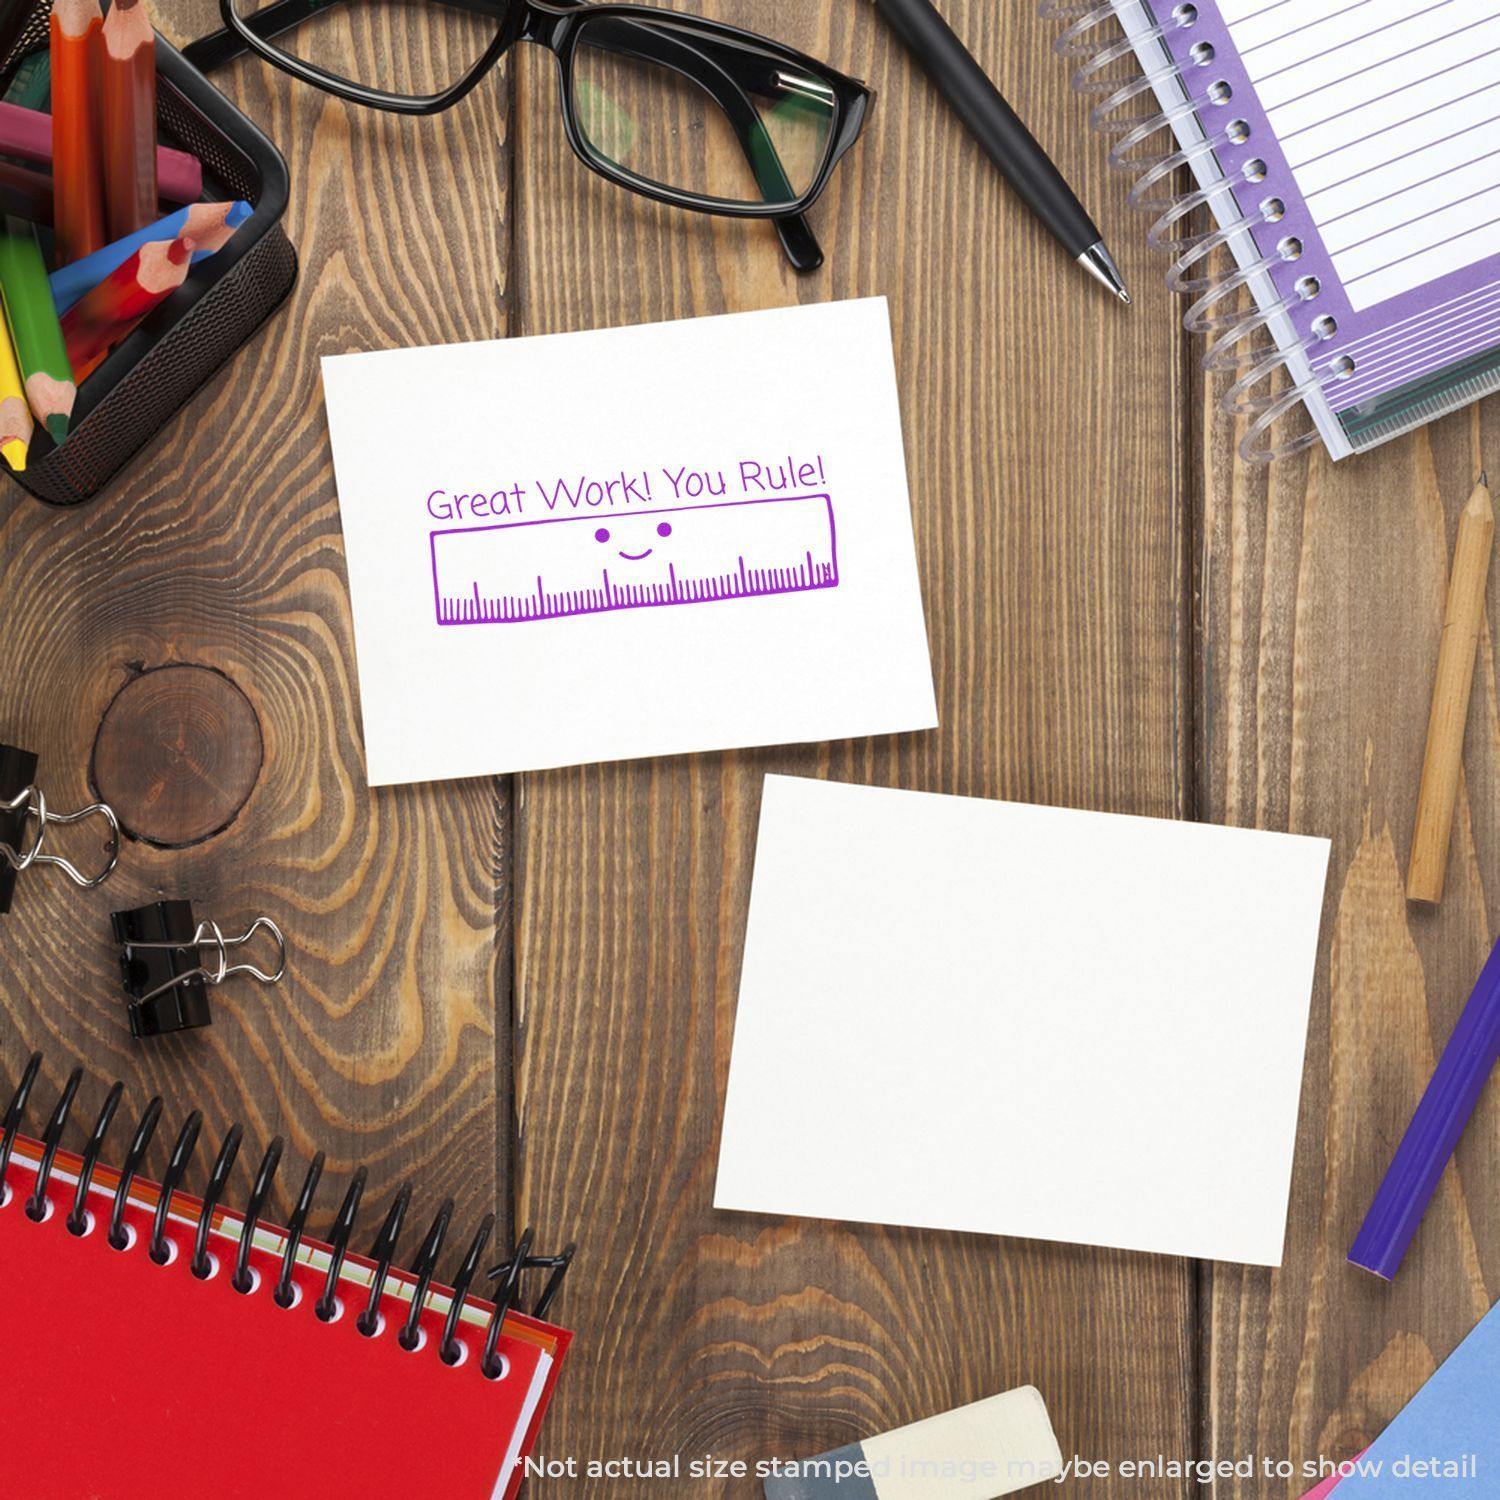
x=797, y=238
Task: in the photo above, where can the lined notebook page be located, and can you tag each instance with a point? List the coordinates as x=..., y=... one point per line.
x=1389, y=113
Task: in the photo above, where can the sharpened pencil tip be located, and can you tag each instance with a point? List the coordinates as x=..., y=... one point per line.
x=1484, y=478
x=57, y=427
x=15, y=454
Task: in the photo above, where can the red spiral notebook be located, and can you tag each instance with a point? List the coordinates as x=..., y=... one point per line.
x=128, y=1379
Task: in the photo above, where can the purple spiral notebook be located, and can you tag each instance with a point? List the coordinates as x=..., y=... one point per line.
x=1348, y=152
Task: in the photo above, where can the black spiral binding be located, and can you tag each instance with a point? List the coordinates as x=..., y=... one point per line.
x=177, y=1164
x=201, y=1264
x=383, y=1252
x=242, y=1280
x=78, y=1217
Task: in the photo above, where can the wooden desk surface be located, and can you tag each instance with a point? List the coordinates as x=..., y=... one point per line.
x=520, y=992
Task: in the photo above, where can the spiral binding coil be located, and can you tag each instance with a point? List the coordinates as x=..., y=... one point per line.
x=1119, y=114
x=161, y=1249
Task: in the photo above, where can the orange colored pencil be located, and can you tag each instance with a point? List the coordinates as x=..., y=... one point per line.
x=99, y=320
x=129, y=91
x=77, y=174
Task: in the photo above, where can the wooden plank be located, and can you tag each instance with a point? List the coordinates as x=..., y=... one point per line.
x=1323, y=589
x=221, y=550
x=1048, y=492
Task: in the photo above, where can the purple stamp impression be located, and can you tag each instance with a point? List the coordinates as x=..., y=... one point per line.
x=584, y=565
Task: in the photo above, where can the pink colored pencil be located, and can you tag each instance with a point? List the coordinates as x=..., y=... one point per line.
x=26, y=135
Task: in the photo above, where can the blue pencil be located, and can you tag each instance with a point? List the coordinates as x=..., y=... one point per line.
x=209, y=224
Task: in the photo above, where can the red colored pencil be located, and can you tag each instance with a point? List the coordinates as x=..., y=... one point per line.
x=98, y=321
x=129, y=118
x=79, y=181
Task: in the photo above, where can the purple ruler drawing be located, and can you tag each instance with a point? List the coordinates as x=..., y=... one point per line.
x=583, y=565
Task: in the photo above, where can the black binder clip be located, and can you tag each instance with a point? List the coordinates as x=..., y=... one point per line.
x=25, y=820
x=161, y=958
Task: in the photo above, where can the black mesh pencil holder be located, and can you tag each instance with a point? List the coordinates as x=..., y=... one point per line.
x=165, y=362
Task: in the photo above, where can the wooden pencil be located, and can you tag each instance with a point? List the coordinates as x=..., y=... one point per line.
x=1463, y=619
x=31, y=84
x=25, y=193
x=16, y=425
x=129, y=118
x=77, y=176
x=28, y=194
x=35, y=331
x=210, y=226
x=98, y=321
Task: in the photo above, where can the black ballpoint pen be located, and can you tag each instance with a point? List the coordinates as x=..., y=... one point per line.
x=998, y=129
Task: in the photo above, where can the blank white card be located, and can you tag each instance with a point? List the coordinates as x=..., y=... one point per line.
x=985, y=1016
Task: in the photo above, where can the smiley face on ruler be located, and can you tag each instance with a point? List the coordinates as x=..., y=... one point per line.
x=590, y=564
x=607, y=537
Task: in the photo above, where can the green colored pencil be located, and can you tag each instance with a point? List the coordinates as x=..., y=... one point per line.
x=31, y=86
x=34, y=328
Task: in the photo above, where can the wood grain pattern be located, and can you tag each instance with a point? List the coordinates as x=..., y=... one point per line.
x=1049, y=529
x=177, y=755
x=222, y=550
x=1323, y=592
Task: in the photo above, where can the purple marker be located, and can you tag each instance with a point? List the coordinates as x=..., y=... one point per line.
x=1431, y=1138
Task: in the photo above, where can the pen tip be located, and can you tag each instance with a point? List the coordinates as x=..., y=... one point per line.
x=1099, y=263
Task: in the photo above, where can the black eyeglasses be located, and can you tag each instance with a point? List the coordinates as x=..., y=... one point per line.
x=679, y=109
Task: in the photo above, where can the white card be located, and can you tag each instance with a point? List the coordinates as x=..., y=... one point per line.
x=639, y=541
x=986, y=1016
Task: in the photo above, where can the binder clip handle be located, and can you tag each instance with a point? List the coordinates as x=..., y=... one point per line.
x=210, y=934
x=167, y=972
x=30, y=804
x=223, y=969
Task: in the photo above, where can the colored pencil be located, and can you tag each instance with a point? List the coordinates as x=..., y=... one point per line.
x=34, y=329
x=1436, y=1127
x=1463, y=619
x=31, y=85
x=25, y=193
x=209, y=225
x=26, y=134
x=129, y=118
x=16, y=425
x=96, y=323
x=76, y=169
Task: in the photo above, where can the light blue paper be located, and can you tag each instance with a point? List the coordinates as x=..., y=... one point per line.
x=1451, y=1420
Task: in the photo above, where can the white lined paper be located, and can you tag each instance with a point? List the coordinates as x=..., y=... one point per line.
x=1389, y=113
